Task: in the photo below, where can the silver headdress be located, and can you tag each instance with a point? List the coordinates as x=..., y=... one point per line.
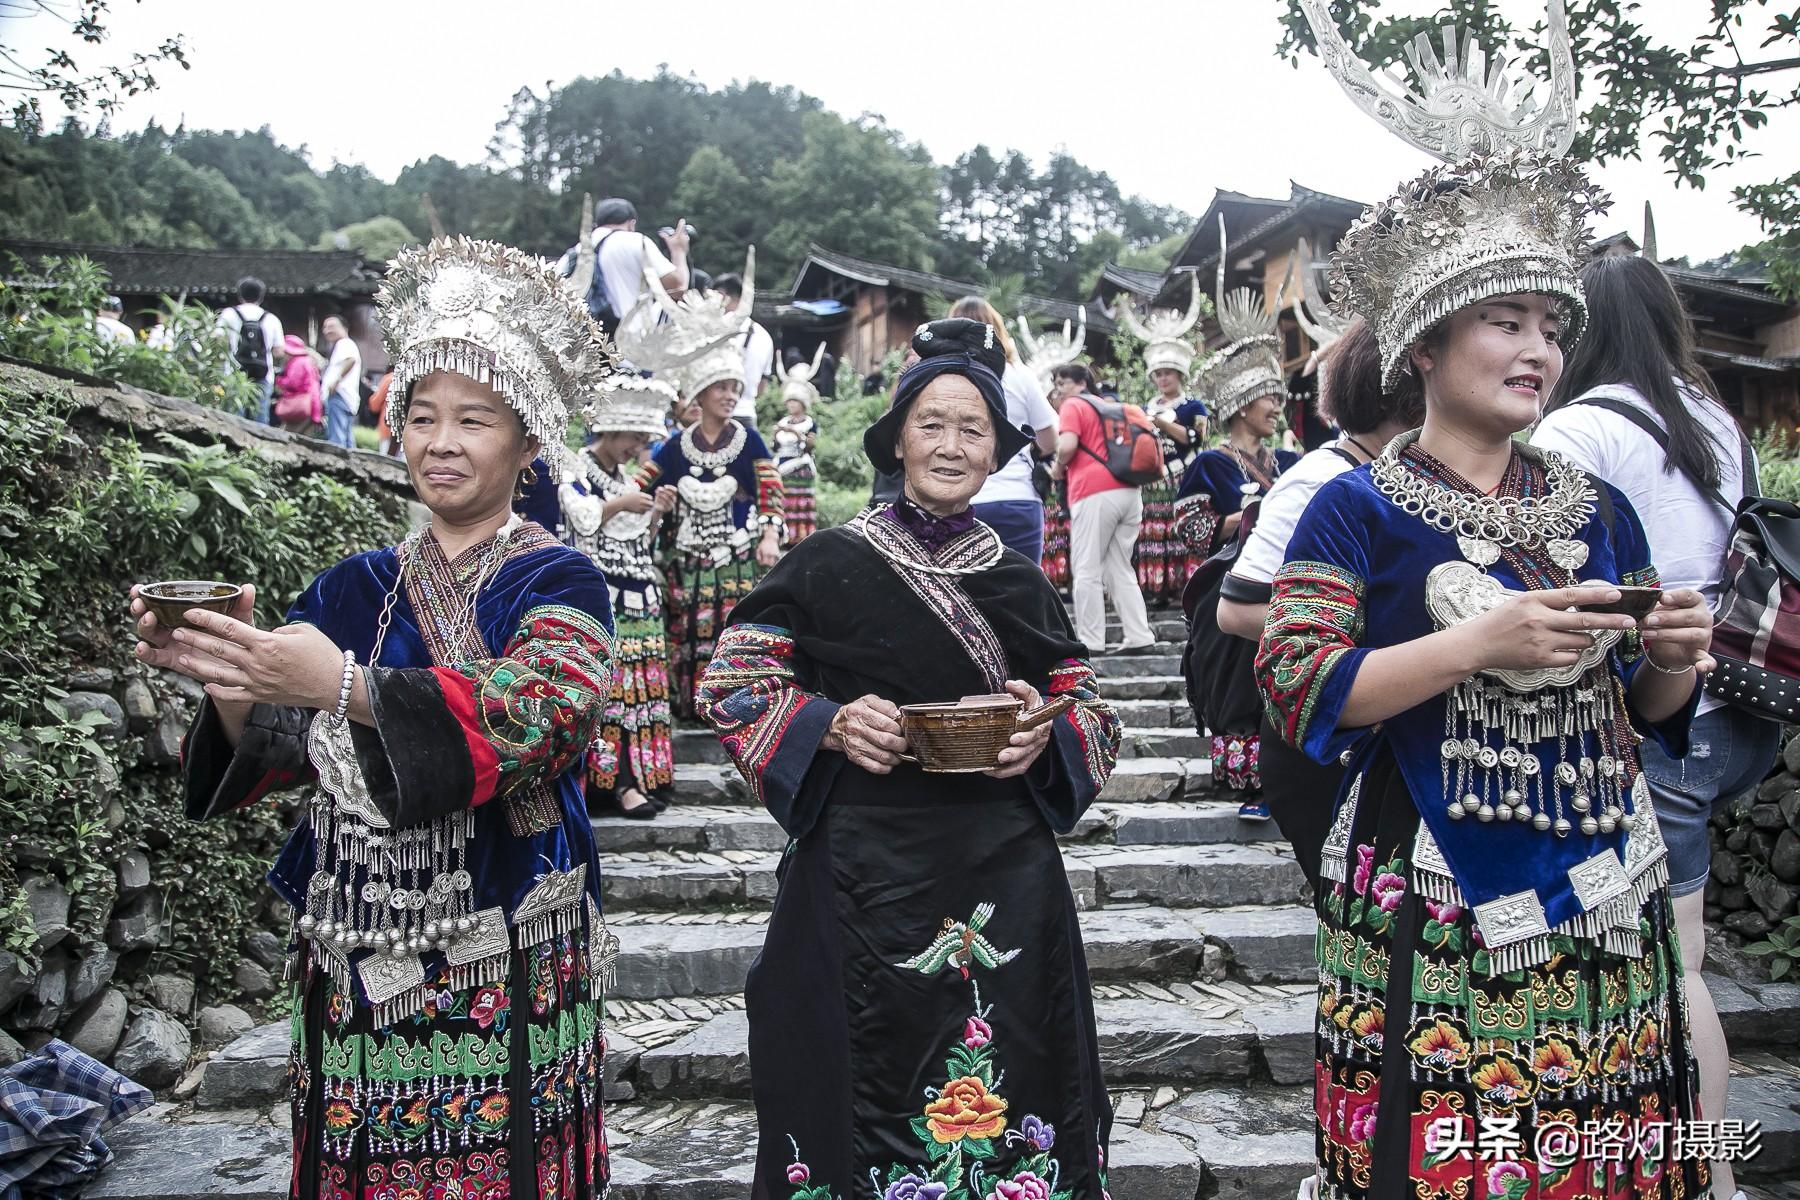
x=629, y=404
x=1507, y=213
x=1044, y=354
x=1249, y=364
x=496, y=315
x=1164, y=332
x=702, y=337
x=797, y=380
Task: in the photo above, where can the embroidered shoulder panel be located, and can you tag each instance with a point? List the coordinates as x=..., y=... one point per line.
x=1315, y=618
x=749, y=694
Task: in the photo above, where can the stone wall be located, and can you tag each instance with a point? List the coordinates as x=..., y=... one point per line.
x=1755, y=882
x=105, y=981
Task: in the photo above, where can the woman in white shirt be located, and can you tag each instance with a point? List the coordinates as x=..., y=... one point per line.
x=1008, y=501
x=1637, y=356
x=1298, y=791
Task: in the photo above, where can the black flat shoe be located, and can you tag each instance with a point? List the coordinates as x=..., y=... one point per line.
x=610, y=807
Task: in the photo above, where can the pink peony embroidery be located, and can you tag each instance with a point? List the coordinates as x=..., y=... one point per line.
x=1389, y=888
x=1443, y=912
x=1362, y=1123
x=1365, y=861
x=1026, y=1185
x=977, y=1033
x=798, y=1174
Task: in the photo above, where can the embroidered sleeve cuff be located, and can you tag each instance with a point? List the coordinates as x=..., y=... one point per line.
x=423, y=759
x=270, y=755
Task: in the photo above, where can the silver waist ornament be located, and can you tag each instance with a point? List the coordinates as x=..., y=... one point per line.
x=706, y=493
x=1580, y=707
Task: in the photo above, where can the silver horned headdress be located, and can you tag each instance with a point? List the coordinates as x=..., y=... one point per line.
x=499, y=316
x=701, y=337
x=1165, y=332
x=797, y=380
x=1505, y=213
x=1043, y=354
x=1248, y=365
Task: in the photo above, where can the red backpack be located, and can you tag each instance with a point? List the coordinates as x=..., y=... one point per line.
x=1133, y=453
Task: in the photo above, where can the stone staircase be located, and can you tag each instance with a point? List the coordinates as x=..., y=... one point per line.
x=1199, y=936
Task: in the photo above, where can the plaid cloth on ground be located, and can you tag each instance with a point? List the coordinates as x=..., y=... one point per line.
x=53, y=1108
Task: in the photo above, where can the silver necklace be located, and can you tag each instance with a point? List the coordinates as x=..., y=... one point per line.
x=1250, y=486
x=893, y=555
x=1484, y=525
x=713, y=461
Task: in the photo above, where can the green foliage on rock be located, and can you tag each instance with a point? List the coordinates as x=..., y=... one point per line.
x=47, y=317
x=84, y=513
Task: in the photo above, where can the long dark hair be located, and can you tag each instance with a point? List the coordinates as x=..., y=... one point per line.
x=1638, y=335
x=1351, y=397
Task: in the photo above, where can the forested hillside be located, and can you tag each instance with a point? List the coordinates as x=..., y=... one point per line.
x=747, y=163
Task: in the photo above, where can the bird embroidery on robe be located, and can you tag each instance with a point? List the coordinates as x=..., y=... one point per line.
x=961, y=946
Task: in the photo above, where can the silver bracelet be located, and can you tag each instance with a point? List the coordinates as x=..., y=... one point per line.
x=348, y=685
x=1656, y=666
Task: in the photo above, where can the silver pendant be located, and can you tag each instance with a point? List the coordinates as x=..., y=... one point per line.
x=1479, y=551
x=1251, y=488
x=1567, y=553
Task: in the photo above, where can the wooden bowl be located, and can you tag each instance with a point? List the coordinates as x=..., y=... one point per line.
x=171, y=599
x=969, y=735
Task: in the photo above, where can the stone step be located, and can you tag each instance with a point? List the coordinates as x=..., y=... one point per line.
x=1155, y=713
x=1133, y=780
x=1142, y=1041
x=1143, y=687
x=1243, y=1141
x=722, y=829
x=667, y=955
x=1216, y=876
x=1122, y=666
x=1165, y=742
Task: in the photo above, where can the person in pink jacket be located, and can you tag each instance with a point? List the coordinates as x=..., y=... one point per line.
x=298, y=406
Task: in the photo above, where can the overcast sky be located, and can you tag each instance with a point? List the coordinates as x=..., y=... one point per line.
x=1172, y=97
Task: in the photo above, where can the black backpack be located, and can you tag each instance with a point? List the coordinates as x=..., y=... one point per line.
x=252, y=347
x=599, y=300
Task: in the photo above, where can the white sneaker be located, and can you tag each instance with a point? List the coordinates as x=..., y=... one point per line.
x=1309, y=1190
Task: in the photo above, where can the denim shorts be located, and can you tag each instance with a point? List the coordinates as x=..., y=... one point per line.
x=1729, y=753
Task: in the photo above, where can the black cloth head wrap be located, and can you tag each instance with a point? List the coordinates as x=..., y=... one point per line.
x=950, y=347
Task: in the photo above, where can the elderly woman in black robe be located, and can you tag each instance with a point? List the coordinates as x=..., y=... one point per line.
x=920, y=1016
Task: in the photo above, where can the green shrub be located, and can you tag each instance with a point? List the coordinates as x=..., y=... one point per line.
x=47, y=316
x=1778, y=462
x=84, y=513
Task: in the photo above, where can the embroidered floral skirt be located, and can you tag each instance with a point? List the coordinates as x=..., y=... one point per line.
x=1161, y=558
x=797, y=500
x=1055, y=560
x=634, y=747
x=701, y=596
x=491, y=1093
x=920, y=1018
x=1470, y=1091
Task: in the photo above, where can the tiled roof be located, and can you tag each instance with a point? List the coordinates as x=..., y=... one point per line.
x=1131, y=279
x=139, y=271
x=924, y=282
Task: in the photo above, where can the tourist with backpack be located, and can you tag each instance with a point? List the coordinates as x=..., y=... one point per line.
x=254, y=333
x=1635, y=408
x=1106, y=451
x=621, y=255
